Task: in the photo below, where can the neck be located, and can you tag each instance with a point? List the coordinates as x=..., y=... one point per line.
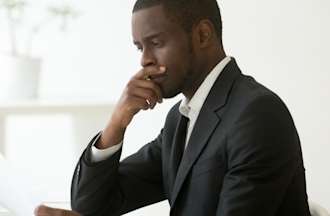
x=202, y=72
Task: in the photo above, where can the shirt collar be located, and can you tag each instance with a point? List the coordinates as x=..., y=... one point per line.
x=192, y=107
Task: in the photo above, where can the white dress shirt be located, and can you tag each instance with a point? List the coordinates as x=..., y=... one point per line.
x=188, y=108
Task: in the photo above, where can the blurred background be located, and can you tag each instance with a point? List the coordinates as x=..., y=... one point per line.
x=84, y=55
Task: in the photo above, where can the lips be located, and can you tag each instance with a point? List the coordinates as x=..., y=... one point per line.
x=158, y=78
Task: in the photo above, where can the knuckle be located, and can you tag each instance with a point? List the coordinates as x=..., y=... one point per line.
x=153, y=85
x=129, y=84
x=129, y=90
x=156, y=88
x=149, y=95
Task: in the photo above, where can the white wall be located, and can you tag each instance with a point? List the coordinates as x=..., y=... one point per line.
x=283, y=44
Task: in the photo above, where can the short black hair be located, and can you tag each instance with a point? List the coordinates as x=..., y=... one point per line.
x=187, y=12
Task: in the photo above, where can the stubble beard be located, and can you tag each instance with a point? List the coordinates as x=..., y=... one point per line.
x=187, y=80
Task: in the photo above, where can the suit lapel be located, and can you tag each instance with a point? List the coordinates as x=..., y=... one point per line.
x=206, y=122
x=175, y=156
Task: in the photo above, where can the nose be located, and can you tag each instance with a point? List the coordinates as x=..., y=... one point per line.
x=147, y=58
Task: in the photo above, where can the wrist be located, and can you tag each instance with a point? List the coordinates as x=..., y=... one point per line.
x=112, y=135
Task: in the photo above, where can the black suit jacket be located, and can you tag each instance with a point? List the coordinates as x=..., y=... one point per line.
x=243, y=159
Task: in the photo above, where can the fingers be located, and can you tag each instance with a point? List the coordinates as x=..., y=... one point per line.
x=149, y=96
x=147, y=90
x=141, y=93
x=151, y=86
x=149, y=71
x=47, y=211
x=139, y=103
x=142, y=86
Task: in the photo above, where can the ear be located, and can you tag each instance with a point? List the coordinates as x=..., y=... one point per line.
x=205, y=33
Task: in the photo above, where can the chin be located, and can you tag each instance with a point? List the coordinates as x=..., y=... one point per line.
x=170, y=94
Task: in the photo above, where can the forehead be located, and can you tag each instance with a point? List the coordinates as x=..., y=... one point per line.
x=151, y=20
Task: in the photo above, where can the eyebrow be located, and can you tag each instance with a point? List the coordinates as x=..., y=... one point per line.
x=151, y=36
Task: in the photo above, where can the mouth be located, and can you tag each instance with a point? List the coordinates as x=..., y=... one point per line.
x=158, y=78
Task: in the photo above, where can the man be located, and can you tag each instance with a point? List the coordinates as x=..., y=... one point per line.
x=230, y=148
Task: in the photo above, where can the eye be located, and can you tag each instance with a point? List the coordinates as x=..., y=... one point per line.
x=156, y=43
x=139, y=48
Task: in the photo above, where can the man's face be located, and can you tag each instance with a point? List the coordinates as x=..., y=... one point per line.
x=163, y=42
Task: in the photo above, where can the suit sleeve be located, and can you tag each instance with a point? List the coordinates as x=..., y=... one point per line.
x=263, y=153
x=114, y=188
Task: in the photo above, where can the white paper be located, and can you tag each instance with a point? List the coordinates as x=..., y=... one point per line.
x=15, y=193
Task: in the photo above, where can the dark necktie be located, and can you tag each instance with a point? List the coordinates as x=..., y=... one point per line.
x=180, y=141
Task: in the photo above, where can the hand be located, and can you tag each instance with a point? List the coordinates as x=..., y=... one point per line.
x=141, y=93
x=47, y=211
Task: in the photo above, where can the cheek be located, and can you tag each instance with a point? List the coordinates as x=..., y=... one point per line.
x=176, y=58
x=173, y=59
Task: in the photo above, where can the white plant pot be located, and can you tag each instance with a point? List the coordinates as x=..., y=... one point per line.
x=19, y=78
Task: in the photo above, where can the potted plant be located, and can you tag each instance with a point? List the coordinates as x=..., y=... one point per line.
x=19, y=69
